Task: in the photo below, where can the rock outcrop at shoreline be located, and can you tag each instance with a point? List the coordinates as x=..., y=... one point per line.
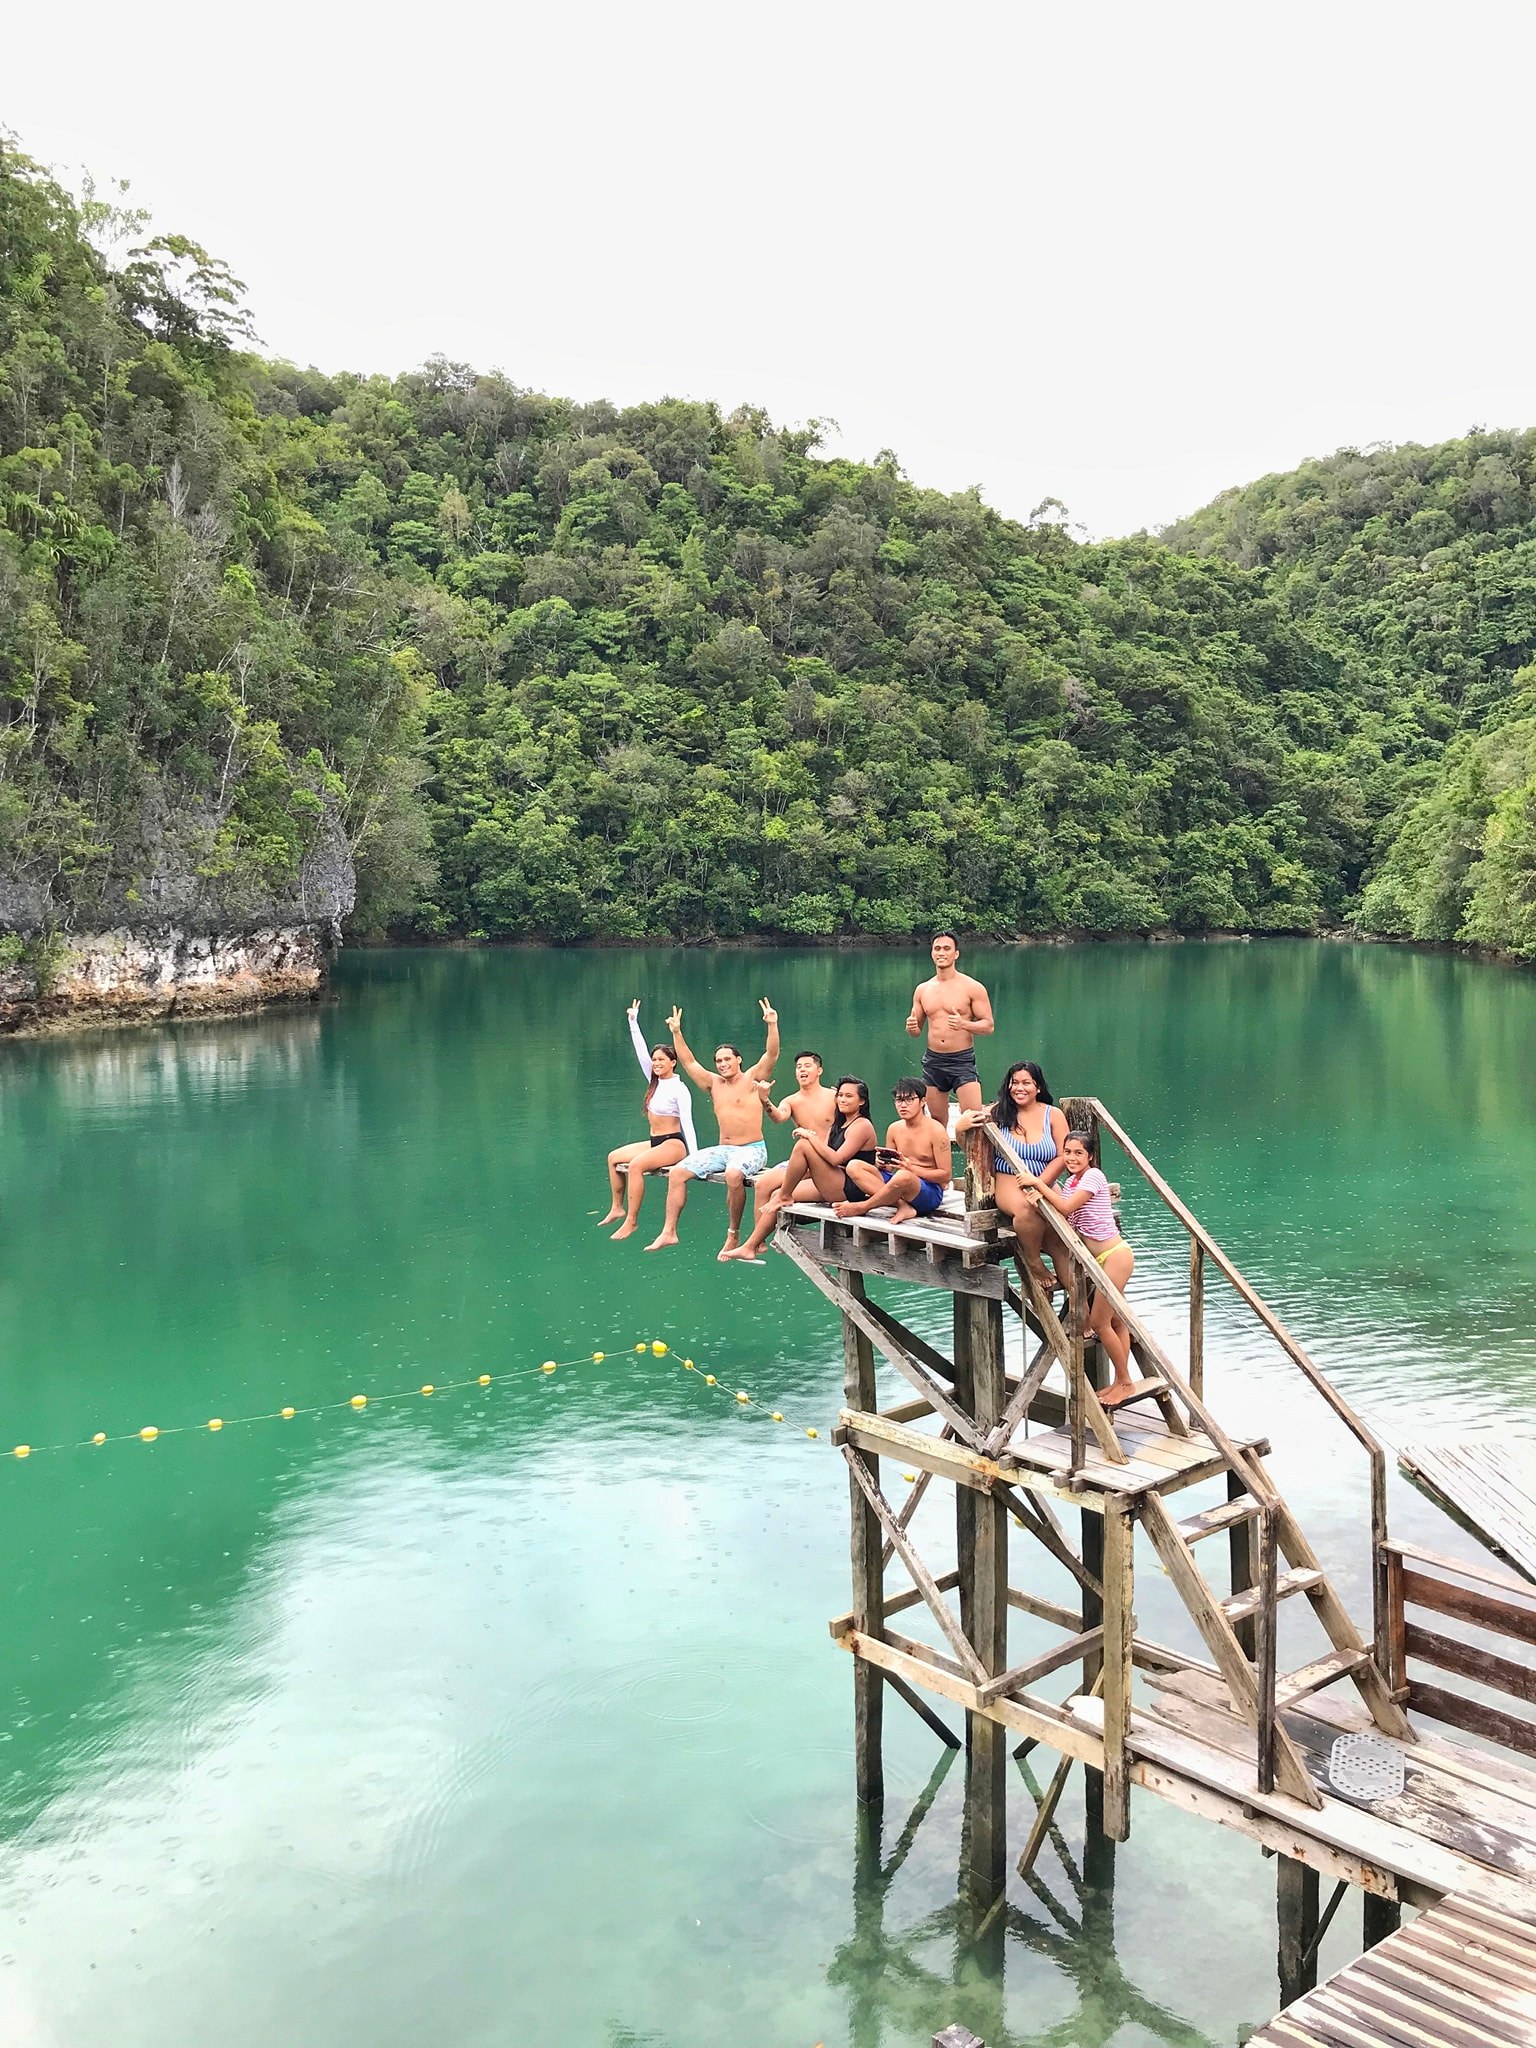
x=123, y=977
x=179, y=941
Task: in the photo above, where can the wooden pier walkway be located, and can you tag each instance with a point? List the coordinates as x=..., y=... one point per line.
x=1461, y=1976
x=1488, y=1485
x=1232, y=1735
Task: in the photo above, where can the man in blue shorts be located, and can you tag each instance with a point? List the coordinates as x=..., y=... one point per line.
x=911, y=1169
x=741, y=1153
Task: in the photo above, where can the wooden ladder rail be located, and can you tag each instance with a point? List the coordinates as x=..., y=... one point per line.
x=1208, y=1248
x=1369, y=1678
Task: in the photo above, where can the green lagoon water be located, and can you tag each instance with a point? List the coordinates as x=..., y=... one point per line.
x=510, y=1716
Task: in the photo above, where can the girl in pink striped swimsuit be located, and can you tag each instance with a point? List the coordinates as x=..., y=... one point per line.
x=1082, y=1198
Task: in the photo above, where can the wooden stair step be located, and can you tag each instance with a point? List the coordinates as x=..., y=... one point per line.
x=1238, y=1606
x=1145, y=1391
x=1298, y=1685
x=1228, y=1516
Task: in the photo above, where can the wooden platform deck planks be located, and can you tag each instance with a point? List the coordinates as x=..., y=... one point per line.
x=1488, y=1484
x=1463, y=1975
x=1464, y=1822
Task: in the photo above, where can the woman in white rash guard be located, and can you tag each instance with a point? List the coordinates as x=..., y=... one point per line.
x=668, y=1112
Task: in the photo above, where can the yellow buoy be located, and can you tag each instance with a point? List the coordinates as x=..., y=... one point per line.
x=813, y=1432
x=23, y=1451
x=777, y=1416
x=660, y=1350
x=688, y=1365
x=485, y=1379
x=100, y=1437
x=548, y=1365
x=287, y=1414
x=149, y=1433
x=639, y=1347
x=710, y=1380
x=359, y=1400
x=910, y=1478
x=598, y=1357
x=215, y=1422
x=743, y=1397
x=429, y=1388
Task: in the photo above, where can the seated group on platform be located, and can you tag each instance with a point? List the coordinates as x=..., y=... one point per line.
x=837, y=1157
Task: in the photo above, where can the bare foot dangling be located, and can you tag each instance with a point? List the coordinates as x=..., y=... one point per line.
x=625, y=1229
x=660, y=1243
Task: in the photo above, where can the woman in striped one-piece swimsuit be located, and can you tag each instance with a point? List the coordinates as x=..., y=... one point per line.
x=1035, y=1130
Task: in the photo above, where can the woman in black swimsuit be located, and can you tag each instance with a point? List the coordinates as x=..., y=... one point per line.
x=822, y=1161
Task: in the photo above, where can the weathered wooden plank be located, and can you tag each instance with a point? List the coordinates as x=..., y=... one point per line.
x=1021, y=1675
x=1240, y=1605
x=1390, y=1848
x=1197, y=1316
x=843, y=1299
x=921, y=1576
x=1489, y=1486
x=1489, y=1722
x=913, y=1271
x=867, y=1564
x=981, y=1549
x=1115, y=1672
x=1468, y=1661
x=1480, y=1573
x=1482, y=1610
x=1301, y=1684
x=922, y=1667
x=914, y=1699
x=1216, y=1631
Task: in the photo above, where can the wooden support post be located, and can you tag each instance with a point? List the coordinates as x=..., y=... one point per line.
x=1389, y=1570
x=1382, y=1917
x=979, y=1184
x=1268, y=1623
x=1242, y=1544
x=1091, y=1525
x=868, y=1566
x=1119, y=1628
x=1296, y=1898
x=1197, y=1316
x=981, y=1527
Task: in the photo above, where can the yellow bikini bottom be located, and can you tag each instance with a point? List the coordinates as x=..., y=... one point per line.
x=1118, y=1245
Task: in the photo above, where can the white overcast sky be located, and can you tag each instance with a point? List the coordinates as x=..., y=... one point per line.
x=1122, y=254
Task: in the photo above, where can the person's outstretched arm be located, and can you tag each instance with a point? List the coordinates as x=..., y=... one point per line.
x=779, y=1111
x=770, y=1059
x=637, y=1038
x=701, y=1076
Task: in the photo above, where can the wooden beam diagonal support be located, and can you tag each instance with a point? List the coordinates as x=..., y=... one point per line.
x=1048, y=1535
x=1290, y=1772
x=857, y=1312
x=922, y=1578
x=1033, y=1380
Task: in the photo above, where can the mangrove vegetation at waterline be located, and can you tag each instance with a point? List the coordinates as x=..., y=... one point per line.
x=576, y=670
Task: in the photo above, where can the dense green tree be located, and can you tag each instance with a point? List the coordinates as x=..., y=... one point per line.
x=588, y=671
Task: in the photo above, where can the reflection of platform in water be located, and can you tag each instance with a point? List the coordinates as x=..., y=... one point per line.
x=1488, y=1485
x=1231, y=1735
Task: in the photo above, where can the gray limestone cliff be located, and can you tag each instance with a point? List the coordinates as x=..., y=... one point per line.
x=175, y=940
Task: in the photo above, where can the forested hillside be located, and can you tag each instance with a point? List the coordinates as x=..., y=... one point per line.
x=1419, y=565
x=571, y=670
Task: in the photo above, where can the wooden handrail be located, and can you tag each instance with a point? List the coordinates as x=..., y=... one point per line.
x=1200, y=1236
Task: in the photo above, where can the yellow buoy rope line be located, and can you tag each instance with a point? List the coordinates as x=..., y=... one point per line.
x=739, y=1397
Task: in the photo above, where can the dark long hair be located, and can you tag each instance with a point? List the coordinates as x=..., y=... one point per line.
x=655, y=1077
x=839, y=1129
x=1005, y=1111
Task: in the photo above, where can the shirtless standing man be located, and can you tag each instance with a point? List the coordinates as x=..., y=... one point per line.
x=811, y=1108
x=741, y=1154
x=958, y=1011
x=913, y=1167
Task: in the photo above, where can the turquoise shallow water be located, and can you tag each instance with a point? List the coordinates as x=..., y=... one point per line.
x=511, y=1714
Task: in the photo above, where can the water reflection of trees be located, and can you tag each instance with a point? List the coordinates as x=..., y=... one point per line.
x=897, y=1994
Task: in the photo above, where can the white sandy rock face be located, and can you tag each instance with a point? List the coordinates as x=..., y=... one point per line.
x=97, y=978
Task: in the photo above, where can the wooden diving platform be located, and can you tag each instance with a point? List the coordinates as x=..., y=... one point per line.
x=1462, y=1976
x=1486, y=1484
x=1243, y=1732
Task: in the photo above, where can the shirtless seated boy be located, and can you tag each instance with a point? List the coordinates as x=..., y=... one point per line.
x=811, y=1107
x=912, y=1168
